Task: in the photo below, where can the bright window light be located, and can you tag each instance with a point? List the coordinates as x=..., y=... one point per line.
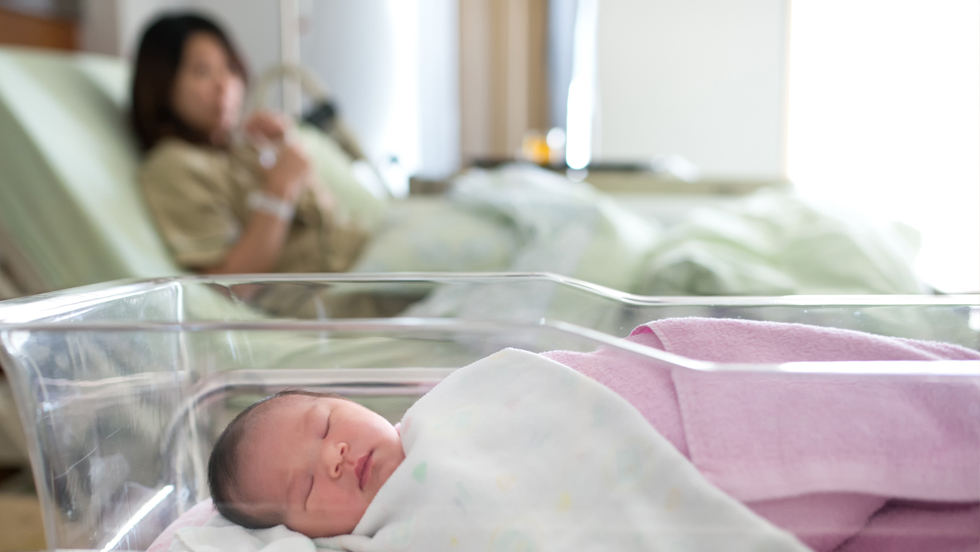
x=402, y=137
x=884, y=116
x=581, y=91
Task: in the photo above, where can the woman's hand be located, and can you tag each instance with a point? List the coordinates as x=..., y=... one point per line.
x=260, y=246
x=268, y=125
x=288, y=176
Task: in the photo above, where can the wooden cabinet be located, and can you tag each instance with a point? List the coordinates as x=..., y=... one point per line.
x=23, y=29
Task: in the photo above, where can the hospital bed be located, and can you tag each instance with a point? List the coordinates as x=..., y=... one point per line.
x=71, y=212
x=123, y=387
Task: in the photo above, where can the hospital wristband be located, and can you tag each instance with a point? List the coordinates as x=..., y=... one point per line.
x=272, y=205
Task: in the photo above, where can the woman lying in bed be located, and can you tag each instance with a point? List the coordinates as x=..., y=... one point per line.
x=522, y=451
x=221, y=207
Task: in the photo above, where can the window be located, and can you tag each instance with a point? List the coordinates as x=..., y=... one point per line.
x=884, y=116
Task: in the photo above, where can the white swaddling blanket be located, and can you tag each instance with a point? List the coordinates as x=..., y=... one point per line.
x=518, y=452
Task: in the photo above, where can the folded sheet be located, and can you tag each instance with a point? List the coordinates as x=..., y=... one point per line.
x=517, y=452
x=815, y=454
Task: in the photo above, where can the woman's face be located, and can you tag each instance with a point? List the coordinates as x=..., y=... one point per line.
x=207, y=93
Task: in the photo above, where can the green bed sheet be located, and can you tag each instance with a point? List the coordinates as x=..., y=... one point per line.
x=69, y=200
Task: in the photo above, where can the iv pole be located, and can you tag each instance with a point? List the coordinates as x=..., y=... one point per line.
x=289, y=56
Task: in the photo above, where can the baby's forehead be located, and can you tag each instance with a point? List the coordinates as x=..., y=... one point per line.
x=292, y=408
x=294, y=401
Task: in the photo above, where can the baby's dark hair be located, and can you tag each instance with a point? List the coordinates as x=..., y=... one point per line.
x=225, y=461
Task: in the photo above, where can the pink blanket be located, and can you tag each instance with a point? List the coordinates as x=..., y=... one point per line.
x=842, y=461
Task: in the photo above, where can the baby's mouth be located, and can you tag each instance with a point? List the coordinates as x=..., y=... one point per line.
x=363, y=469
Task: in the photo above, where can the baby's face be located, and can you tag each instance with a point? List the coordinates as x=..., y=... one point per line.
x=315, y=463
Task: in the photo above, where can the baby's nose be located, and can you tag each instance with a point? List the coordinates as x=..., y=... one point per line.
x=336, y=457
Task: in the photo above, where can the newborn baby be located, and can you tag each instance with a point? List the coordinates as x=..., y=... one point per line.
x=310, y=461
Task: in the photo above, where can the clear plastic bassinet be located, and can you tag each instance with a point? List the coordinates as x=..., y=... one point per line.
x=123, y=387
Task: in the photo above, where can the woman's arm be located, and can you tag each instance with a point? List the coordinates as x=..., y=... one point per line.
x=260, y=245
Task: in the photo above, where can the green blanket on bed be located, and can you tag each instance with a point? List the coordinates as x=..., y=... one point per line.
x=775, y=243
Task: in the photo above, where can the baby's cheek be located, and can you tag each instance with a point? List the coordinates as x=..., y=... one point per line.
x=337, y=518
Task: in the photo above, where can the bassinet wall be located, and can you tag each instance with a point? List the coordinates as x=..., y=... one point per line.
x=124, y=386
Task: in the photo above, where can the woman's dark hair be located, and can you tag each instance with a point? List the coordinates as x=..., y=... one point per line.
x=225, y=461
x=157, y=62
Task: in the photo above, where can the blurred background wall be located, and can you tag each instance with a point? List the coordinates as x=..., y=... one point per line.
x=699, y=78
